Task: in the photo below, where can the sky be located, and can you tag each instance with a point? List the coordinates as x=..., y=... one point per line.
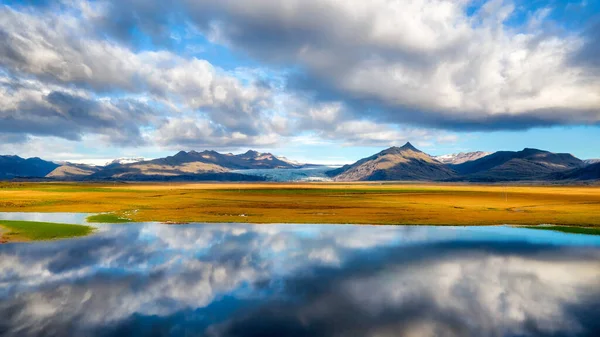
x=320, y=81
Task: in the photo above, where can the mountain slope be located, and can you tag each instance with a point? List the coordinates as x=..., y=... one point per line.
x=395, y=163
x=462, y=157
x=589, y=172
x=527, y=164
x=15, y=166
x=70, y=171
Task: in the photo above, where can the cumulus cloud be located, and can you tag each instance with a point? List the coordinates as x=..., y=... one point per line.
x=59, y=51
x=424, y=62
x=198, y=132
x=33, y=108
x=361, y=73
x=333, y=121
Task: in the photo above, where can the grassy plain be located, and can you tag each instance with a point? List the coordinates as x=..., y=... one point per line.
x=360, y=203
x=19, y=231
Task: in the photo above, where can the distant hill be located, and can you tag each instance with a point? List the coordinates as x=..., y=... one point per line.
x=528, y=164
x=462, y=157
x=17, y=167
x=69, y=171
x=395, y=163
x=589, y=172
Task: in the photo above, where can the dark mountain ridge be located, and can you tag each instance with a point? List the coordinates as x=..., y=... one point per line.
x=557, y=160
x=17, y=167
x=528, y=164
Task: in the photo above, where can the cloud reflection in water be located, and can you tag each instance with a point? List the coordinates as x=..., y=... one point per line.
x=302, y=280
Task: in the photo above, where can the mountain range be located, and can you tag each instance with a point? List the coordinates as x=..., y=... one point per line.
x=192, y=165
x=405, y=163
x=408, y=163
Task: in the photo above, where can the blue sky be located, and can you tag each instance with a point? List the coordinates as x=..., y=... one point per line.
x=316, y=80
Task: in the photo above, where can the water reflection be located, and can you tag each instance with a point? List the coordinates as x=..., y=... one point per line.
x=289, y=280
x=70, y=218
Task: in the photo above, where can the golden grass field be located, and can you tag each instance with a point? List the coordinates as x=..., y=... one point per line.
x=355, y=203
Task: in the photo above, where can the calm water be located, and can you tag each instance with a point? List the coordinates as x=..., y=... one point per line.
x=302, y=280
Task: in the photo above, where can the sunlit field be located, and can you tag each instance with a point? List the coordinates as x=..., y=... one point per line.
x=360, y=203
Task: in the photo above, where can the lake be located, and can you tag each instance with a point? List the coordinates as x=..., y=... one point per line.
x=300, y=280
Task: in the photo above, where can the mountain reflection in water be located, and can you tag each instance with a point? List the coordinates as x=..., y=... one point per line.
x=303, y=280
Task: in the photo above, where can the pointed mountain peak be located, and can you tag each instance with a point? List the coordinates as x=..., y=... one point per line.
x=406, y=147
x=409, y=146
x=400, y=150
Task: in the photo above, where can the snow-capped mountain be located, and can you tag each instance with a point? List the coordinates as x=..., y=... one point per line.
x=123, y=161
x=591, y=161
x=462, y=157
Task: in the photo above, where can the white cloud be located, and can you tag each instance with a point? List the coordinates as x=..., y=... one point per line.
x=419, y=61
x=45, y=46
x=372, y=73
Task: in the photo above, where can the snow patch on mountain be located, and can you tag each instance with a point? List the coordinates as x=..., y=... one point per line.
x=123, y=161
x=289, y=161
x=462, y=157
x=591, y=161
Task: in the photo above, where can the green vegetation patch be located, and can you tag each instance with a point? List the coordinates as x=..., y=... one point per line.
x=36, y=231
x=107, y=218
x=568, y=229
